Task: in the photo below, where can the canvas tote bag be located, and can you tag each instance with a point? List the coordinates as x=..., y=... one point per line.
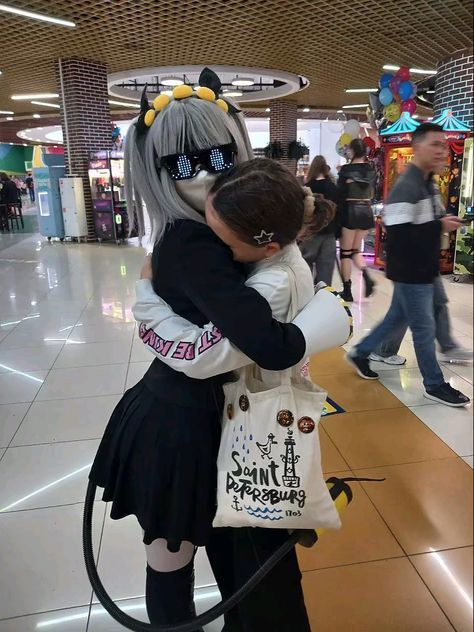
x=269, y=463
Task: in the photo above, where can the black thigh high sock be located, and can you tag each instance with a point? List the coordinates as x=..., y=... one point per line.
x=170, y=596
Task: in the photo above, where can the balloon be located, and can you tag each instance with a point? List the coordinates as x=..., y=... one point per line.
x=408, y=106
x=370, y=144
x=403, y=73
x=385, y=80
x=395, y=84
x=405, y=90
x=385, y=96
x=392, y=112
x=340, y=149
x=345, y=139
x=352, y=128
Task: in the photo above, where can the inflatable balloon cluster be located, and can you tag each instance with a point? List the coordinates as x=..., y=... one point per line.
x=351, y=131
x=396, y=95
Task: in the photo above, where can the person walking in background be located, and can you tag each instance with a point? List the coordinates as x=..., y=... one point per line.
x=319, y=250
x=450, y=350
x=30, y=185
x=412, y=217
x=9, y=193
x=356, y=185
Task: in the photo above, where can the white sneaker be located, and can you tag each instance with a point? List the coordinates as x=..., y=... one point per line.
x=458, y=354
x=395, y=360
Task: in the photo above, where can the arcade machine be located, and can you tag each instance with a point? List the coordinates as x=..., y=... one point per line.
x=463, y=257
x=46, y=180
x=396, y=145
x=106, y=177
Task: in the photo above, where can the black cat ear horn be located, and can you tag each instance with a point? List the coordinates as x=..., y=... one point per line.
x=209, y=79
x=144, y=107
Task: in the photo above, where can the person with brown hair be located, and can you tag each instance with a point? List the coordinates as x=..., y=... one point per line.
x=257, y=209
x=319, y=246
x=356, y=184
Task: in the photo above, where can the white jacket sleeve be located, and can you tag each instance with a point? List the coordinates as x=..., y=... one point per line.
x=200, y=352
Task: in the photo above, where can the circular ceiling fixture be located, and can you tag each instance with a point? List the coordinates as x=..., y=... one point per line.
x=243, y=81
x=233, y=93
x=171, y=81
x=250, y=84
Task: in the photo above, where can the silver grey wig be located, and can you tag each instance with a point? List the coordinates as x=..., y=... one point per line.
x=188, y=124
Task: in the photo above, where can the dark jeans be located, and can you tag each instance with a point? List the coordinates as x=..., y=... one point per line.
x=31, y=191
x=320, y=252
x=412, y=306
x=391, y=345
x=277, y=602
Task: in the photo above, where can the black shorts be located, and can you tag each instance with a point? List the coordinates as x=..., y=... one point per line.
x=358, y=216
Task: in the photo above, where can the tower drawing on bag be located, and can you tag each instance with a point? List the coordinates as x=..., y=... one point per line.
x=266, y=448
x=290, y=459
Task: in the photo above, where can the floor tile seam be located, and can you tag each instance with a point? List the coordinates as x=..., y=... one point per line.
x=434, y=460
x=89, y=366
x=358, y=563
x=449, y=548
x=32, y=614
x=56, y=506
x=431, y=593
x=337, y=450
x=66, y=441
x=63, y=399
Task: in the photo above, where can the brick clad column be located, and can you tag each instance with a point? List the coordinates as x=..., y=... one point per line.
x=85, y=118
x=454, y=85
x=283, y=117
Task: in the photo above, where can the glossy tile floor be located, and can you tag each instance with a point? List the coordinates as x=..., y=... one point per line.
x=403, y=559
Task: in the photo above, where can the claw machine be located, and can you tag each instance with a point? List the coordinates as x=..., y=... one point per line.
x=396, y=144
x=463, y=257
x=106, y=176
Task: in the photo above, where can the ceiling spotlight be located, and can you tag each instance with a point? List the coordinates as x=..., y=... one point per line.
x=351, y=90
x=6, y=112
x=351, y=107
x=36, y=116
x=242, y=81
x=391, y=67
x=1, y=73
x=233, y=93
x=306, y=109
x=268, y=109
x=46, y=104
x=171, y=81
x=430, y=92
x=35, y=16
x=27, y=97
x=25, y=145
x=135, y=105
x=9, y=118
x=340, y=112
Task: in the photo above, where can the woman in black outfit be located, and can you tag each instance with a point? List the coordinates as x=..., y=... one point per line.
x=319, y=250
x=157, y=458
x=356, y=185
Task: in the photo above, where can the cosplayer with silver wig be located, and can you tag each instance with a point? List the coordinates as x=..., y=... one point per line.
x=157, y=458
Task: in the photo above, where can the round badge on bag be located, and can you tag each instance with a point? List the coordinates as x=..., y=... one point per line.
x=306, y=425
x=285, y=418
x=244, y=403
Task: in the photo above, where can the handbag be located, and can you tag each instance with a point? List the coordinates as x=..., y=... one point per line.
x=269, y=463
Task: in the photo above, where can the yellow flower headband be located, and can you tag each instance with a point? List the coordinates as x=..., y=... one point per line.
x=182, y=92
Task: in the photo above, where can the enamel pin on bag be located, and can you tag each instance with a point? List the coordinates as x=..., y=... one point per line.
x=269, y=463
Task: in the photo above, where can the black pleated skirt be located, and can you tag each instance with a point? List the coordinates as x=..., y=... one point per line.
x=157, y=461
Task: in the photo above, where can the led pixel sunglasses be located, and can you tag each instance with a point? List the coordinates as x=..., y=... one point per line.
x=186, y=166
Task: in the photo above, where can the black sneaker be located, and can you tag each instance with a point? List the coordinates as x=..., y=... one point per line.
x=362, y=366
x=446, y=394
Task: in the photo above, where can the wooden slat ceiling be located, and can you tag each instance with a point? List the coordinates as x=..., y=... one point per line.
x=337, y=44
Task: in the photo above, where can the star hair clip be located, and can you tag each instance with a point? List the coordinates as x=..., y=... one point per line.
x=263, y=238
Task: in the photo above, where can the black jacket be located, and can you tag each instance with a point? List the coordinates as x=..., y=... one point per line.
x=9, y=193
x=329, y=190
x=411, y=217
x=362, y=175
x=194, y=272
